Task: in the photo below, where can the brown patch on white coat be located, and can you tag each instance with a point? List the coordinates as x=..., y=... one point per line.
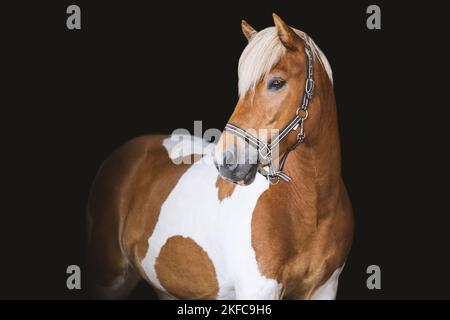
x=185, y=270
x=224, y=188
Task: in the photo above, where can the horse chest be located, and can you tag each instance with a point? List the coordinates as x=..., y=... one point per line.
x=199, y=239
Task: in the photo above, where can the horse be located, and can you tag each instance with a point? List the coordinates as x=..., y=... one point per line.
x=267, y=217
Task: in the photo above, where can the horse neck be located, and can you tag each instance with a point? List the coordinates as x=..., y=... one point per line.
x=315, y=166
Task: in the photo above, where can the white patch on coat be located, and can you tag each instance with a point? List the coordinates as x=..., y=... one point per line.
x=180, y=145
x=222, y=229
x=328, y=290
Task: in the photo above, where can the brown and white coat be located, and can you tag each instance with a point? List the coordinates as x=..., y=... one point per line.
x=193, y=235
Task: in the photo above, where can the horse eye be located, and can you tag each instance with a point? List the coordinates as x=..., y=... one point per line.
x=276, y=84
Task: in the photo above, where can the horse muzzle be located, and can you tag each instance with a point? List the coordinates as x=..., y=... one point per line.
x=231, y=169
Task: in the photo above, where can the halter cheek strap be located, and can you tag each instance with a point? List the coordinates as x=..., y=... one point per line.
x=270, y=171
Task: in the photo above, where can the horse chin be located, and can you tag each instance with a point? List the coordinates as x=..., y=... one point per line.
x=249, y=178
x=245, y=181
x=241, y=182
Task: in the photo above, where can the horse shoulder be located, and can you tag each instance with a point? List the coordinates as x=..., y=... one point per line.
x=300, y=255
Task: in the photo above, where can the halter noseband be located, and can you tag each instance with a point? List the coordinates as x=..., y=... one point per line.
x=265, y=149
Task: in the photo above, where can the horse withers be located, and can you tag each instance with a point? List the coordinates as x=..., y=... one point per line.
x=262, y=216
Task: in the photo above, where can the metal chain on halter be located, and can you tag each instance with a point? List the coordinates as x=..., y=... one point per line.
x=265, y=149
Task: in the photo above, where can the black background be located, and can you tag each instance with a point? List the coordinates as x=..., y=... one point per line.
x=69, y=98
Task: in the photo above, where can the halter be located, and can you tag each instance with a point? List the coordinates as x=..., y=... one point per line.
x=265, y=149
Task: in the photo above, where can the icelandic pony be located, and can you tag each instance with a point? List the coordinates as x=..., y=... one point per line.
x=223, y=227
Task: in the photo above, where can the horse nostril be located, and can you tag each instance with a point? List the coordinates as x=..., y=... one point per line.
x=229, y=160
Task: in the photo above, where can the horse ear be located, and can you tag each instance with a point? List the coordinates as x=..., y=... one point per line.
x=247, y=30
x=286, y=34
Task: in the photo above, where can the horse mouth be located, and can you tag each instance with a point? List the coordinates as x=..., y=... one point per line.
x=242, y=181
x=249, y=177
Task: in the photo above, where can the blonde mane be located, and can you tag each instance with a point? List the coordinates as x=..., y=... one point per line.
x=263, y=52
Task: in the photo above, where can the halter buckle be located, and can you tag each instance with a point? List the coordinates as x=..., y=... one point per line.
x=301, y=134
x=309, y=87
